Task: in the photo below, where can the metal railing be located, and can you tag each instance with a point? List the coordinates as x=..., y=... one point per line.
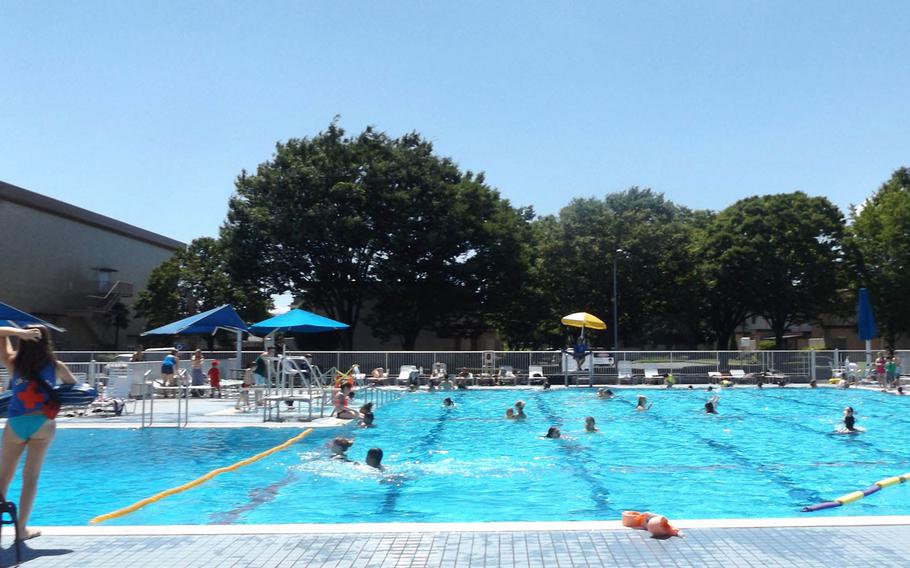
x=686, y=366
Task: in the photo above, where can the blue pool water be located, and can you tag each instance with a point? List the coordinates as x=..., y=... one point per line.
x=767, y=454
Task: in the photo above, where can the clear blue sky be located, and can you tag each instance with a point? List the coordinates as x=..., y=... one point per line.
x=147, y=111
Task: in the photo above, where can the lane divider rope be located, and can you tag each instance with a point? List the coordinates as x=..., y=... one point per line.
x=198, y=481
x=857, y=495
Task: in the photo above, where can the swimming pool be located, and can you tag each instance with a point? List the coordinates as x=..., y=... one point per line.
x=767, y=454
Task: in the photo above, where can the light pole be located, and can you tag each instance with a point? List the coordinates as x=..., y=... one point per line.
x=615, y=303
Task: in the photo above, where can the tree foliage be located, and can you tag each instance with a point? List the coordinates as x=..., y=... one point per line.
x=879, y=240
x=196, y=279
x=778, y=256
x=340, y=221
x=573, y=269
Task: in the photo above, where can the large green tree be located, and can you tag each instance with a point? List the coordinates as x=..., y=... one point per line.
x=649, y=238
x=879, y=238
x=195, y=279
x=726, y=302
x=341, y=221
x=783, y=253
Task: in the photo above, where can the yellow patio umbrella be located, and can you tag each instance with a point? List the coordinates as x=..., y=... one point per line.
x=584, y=320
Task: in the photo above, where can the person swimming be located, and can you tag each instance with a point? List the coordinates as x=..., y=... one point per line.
x=520, y=410
x=366, y=415
x=643, y=403
x=849, y=420
x=340, y=446
x=604, y=393
x=711, y=405
x=374, y=458
x=553, y=432
x=510, y=414
x=590, y=426
x=448, y=402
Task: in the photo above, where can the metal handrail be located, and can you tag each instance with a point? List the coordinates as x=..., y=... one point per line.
x=145, y=391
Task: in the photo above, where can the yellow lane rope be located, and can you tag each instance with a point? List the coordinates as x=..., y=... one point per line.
x=199, y=481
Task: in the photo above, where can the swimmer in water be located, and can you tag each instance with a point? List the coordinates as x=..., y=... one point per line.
x=900, y=390
x=589, y=424
x=510, y=414
x=643, y=403
x=448, y=402
x=340, y=446
x=520, y=410
x=374, y=458
x=366, y=415
x=711, y=405
x=849, y=420
x=553, y=432
x=604, y=393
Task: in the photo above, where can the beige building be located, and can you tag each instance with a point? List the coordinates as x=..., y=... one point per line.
x=73, y=267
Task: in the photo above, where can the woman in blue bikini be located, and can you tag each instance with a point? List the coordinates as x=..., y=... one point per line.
x=34, y=370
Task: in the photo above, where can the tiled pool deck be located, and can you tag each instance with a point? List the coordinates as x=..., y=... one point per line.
x=842, y=542
x=549, y=545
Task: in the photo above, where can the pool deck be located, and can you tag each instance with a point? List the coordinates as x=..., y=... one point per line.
x=841, y=542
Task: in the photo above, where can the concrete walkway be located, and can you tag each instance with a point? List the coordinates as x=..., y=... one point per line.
x=547, y=547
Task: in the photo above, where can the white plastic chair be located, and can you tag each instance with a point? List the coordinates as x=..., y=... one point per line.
x=406, y=373
x=624, y=372
x=535, y=373
x=506, y=374
x=651, y=374
x=738, y=375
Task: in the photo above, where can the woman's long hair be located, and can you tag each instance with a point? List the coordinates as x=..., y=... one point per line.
x=33, y=356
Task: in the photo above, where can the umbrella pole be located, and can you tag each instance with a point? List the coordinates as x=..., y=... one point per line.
x=868, y=356
x=239, y=352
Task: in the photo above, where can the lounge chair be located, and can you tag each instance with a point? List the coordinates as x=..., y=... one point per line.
x=651, y=375
x=715, y=376
x=408, y=374
x=116, y=395
x=624, y=372
x=360, y=378
x=506, y=375
x=739, y=376
x=535, y=374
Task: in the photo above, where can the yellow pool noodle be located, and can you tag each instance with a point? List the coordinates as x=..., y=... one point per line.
x=889, y=482
x=198, y=481
x=850, y=497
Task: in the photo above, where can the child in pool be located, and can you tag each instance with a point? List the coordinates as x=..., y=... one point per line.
x=520, y=410
x=849, y=420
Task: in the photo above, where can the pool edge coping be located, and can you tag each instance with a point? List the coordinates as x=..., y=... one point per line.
x=491, y=527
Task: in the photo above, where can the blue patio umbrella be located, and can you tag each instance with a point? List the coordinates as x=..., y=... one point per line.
x=297, y=321
x=12, y=316
x=866, y=323
x=222, y=317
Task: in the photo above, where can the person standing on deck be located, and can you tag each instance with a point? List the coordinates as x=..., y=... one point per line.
x=34, y=370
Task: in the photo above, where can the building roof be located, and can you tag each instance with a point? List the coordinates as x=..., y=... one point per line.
x=26, y=198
